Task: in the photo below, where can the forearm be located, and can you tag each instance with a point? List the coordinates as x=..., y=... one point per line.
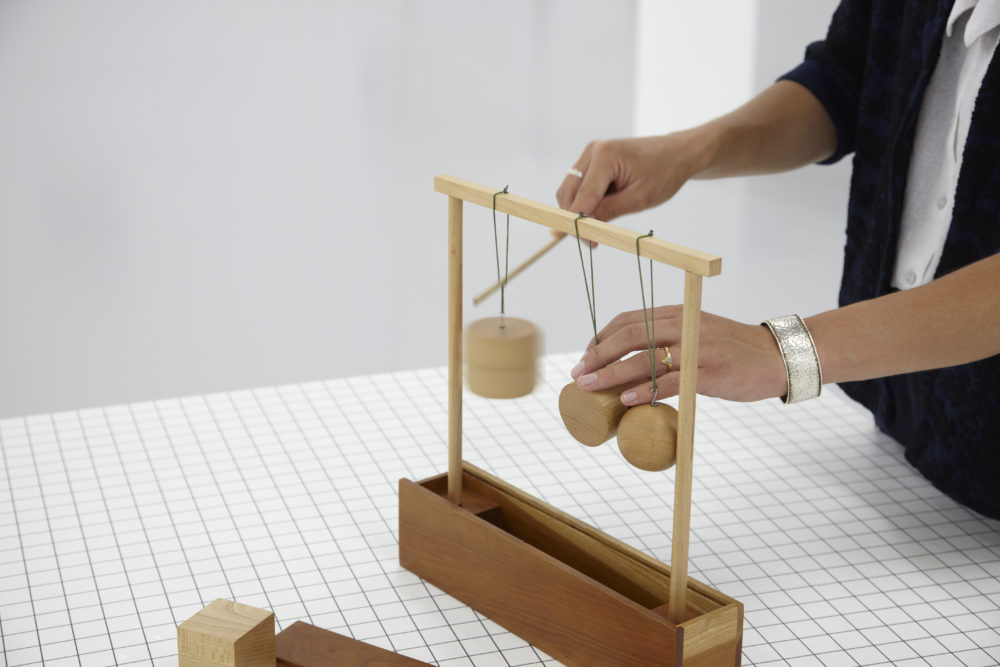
x=952, y=320
x=783, y=128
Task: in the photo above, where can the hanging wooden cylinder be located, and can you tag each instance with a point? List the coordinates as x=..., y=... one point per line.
x=647, y=436
x=501, y=362
x=591, y=416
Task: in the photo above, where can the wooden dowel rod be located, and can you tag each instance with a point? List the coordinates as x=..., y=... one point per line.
x=691, y=318
x=603, y=233
x=455, y=350
x=521, y=267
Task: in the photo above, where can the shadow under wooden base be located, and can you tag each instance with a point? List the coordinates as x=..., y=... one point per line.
x=581, y=596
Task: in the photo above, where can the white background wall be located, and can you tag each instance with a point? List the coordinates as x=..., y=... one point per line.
x=206, y=196
x=781, y=237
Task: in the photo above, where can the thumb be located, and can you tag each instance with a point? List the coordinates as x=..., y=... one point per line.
x=592, y=189
x=616, y=204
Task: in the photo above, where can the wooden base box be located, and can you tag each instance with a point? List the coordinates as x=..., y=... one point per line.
x=581, y=596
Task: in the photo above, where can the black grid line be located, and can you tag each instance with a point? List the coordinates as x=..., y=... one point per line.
x=90, y=566
x=428, y=636
x=285, y=498
x=22, y=567
x=88, y=438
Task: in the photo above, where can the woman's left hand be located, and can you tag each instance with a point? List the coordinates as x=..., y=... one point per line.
x=738, y=362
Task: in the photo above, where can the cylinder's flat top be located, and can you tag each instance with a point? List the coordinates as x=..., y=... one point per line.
x=513, y=328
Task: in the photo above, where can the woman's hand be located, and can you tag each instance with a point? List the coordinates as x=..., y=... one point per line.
x=739, y=362
x=782, y=128
x=628, y=175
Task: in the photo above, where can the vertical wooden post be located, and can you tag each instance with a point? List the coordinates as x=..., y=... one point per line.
x=685, y=447
x=455, y=350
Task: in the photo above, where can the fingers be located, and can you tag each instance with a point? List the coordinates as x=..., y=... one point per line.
x=594, y=192
x=593, y=187
x=736, y=361
x=613, y=205
x=667, y=385
x=570, y=185
x=607, y=189
x=632, y=317
x=629, y=370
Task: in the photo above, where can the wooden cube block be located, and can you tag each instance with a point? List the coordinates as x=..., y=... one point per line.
x=227, y=634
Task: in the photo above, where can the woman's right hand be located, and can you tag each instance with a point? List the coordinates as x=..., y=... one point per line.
x=628, y=175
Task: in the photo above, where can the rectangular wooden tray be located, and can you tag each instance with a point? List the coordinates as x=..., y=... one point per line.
x=581, y=596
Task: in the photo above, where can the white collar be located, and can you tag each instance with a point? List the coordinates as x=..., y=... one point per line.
x=985, y=17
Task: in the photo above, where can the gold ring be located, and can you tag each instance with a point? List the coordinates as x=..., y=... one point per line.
x=668, y=359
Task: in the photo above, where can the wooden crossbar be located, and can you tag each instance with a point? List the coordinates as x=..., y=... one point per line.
x=604, y=233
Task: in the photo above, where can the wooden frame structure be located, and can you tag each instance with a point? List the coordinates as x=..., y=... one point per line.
x=579, y=595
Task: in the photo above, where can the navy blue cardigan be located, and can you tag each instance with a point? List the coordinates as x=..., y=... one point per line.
x=870, y=74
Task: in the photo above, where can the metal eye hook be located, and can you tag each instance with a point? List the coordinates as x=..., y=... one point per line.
x=501, y=192
x=655, y=391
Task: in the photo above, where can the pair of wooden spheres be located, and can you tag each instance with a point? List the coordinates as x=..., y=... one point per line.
x=501, y=361
x=647, y=434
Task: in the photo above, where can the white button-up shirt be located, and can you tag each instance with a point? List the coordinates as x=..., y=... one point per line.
x=970, y=39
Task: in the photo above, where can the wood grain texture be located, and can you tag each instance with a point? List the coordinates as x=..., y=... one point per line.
x=683, y=478
x=227, y=634
x=593, y=230
x=591, y=416
x=455, y=350
x=615, y=553
x=714, y=639
x=647, y=436
x=501, y=362
x=579, y=595
x=304, y=645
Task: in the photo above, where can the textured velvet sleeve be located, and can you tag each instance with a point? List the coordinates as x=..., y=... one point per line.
x=833, y=70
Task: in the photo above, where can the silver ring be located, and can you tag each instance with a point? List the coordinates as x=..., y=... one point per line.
x=573, y=171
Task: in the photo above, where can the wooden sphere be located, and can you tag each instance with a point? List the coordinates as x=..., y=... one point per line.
x=647, y=436
x=591, y=416
x=501, y=362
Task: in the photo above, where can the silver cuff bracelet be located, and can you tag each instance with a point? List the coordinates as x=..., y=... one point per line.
x=798, y=351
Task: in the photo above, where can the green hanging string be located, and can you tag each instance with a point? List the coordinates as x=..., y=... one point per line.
x=591, y=292
x=650, y=323
x=496, y=246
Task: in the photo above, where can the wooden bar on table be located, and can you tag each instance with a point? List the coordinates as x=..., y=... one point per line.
x=304, y=645
x=690, y=321
x=230, y=634
x=455, y=350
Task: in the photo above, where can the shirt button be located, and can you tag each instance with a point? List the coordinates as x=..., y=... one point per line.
x=910, y=277
x=942, y=201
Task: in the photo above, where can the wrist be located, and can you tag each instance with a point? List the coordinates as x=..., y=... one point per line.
x=701, y=145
